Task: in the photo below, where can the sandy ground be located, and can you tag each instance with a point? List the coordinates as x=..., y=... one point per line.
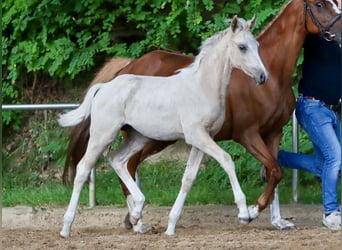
x=200, y=227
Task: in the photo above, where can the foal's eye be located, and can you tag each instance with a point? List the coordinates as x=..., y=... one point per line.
x=242, y=47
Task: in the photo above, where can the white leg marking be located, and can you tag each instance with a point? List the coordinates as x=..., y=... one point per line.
x=275, y=216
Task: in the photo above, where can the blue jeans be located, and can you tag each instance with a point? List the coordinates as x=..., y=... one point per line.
x=323, y=127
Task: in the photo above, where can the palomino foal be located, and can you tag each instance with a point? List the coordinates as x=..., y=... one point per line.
x=188, y=105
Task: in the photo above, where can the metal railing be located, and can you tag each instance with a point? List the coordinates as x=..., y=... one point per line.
x=92, y=174
x=38, y=106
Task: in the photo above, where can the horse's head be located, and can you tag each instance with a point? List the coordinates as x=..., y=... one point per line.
x=243, y=50
x=324, y=17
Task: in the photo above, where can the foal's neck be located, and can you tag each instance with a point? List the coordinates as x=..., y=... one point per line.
x=214, y=72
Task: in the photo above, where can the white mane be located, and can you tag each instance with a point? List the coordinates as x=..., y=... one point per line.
x=207, y=46
x=210, y=43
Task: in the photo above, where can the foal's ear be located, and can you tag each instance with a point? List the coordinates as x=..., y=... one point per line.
x=251, y=23
x=234, y=23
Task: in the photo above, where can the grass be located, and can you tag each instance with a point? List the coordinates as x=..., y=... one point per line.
x=160, y=183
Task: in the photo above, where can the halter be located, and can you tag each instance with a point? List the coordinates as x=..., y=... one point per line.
x=325, y=31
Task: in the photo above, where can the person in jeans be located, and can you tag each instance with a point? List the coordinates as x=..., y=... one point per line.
x=319, y=90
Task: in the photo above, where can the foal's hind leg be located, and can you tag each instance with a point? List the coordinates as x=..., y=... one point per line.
x=118, y=160
x=189, y=176
x=150, y=148
x=95, y=147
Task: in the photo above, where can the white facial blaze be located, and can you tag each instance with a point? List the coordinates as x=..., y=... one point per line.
x=335, y=7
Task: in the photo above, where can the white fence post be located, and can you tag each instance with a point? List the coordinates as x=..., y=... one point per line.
x=295, y=150
x=92, y=188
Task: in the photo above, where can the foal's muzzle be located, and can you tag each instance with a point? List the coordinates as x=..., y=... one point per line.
x=262, y=78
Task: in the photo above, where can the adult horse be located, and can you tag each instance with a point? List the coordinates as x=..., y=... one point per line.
x=190, y=105
x=255, y=116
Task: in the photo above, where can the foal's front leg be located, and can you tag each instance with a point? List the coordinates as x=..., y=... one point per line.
x=189, y=176
x=202, y=140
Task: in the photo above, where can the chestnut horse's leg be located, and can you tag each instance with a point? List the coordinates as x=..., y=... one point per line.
x=276, y=219
x=256, y=146
x=273, y=142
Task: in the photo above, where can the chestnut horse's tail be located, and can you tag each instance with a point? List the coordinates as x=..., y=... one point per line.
x=79, y=135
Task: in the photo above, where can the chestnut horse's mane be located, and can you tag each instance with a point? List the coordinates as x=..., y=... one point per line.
x=274, y=19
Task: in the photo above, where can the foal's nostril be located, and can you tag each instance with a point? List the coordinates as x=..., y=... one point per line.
x=263, y=78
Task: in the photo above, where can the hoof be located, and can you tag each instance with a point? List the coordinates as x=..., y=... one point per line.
x=142, y=228
x=133, y=220
x=128, y=224
x=168, y=233
x=146, y=229
x=253, y=212
x=244, y=221
x=64, y=235
x=283, y=224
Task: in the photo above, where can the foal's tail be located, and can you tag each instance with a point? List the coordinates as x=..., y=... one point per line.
x=78, y=115
x=79, y=134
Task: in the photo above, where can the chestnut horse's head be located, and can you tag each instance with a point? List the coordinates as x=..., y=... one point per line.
x=324, y=16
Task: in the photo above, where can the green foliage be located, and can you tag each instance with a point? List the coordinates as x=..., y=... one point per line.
x=264, y=10
x=37, y=156
x=61, y=39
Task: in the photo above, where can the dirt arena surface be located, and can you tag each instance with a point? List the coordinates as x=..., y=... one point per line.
x=200, y=227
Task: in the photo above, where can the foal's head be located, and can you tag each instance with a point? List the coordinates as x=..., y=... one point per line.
x=243, y=49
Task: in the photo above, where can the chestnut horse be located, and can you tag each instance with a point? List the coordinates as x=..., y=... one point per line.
x=256, y=115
